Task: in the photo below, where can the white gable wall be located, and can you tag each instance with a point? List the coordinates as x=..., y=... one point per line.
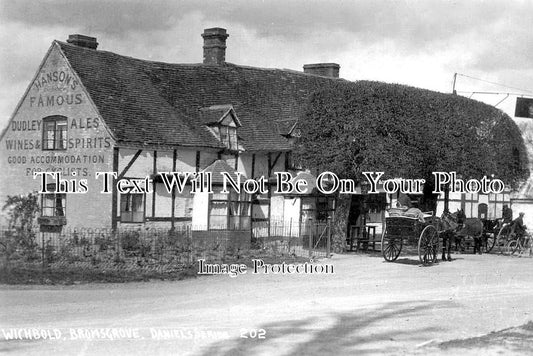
x=56, y=90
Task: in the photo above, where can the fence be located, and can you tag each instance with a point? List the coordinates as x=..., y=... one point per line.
x=311, y=240
x=161, y=249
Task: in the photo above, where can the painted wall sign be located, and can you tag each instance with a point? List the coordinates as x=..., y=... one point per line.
x=55, y=100
x=56, y=79
x=57, y=129
x=27, y=147
x=31, y=144
x=74, y=123
x=26, y=125
x=56, y=76
x=51, y=161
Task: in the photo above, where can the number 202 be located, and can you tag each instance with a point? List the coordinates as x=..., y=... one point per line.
x=253, y=333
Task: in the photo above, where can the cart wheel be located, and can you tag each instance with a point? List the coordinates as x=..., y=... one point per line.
x=390, y=247
x=488, y=242
x=502, y=238
x=428, y=245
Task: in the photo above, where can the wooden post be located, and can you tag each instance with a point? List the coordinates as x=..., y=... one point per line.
x=173, y=198
x=328, y=249
x=154, y=172
x=197, y=161
x=254, y=201
x=43, y=255
x=447, y=198
x=311, y=238
x=114, y=194
x=269, y=193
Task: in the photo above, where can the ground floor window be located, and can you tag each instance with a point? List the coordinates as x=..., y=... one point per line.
x=53, y=204
x=319, y=208
x=229, y=211
x=132, y=207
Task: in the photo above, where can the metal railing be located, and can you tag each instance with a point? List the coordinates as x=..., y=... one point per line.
x=162, y=248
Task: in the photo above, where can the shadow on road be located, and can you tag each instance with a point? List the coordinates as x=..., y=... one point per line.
x=348, y=334
x=516, y=340
x=407, y=261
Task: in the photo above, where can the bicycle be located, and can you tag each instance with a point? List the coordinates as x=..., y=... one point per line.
x=504, y=236
x=522, y=245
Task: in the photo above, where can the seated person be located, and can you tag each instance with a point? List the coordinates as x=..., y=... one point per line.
x=518, y=225
x=507, y=214
x=461, y=218
x=405, y=202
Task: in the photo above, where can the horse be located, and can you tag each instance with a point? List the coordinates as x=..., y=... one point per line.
x=447, y=228
x=465, y=227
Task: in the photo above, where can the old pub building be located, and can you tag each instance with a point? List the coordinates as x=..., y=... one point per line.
x=89, y=111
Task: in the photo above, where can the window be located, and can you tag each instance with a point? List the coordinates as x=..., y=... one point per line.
x=55, y=133
x=232, y=137
x=291, y=163
x=228, y=136
x=318, y=207
x=132, y=207
x=53, y=204
x=325, y=206
x=229, y=211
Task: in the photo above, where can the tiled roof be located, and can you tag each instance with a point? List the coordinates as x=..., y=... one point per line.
x=215, y=113
x=145, y=102
x=219, y=166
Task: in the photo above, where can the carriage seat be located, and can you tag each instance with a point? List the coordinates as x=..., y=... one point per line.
x=412, y=213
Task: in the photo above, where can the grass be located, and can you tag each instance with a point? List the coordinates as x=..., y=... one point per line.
x=75, y=275
x=66, y=274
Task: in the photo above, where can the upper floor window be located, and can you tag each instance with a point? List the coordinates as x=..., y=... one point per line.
x=55, y=133
x=228, y=136
x=223, y=122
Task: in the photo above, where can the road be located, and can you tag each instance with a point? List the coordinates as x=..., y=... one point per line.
x=367, y=306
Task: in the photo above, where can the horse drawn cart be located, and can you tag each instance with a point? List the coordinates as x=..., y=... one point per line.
x=400, y=230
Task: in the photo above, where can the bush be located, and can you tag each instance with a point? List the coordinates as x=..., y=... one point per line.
x=408, y=132
x=133, y=245
x=104, y=242
x=130, y=241
x=21, y=237
x=50, y=253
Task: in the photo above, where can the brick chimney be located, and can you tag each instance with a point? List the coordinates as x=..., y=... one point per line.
x=215, y=45
x=83, y=41
x=323, y=69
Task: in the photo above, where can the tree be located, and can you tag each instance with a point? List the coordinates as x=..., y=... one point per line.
x=408, y=132
x=350, y=128
x=23, y=211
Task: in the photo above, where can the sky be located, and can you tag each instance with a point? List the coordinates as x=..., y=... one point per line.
x=417, y=43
